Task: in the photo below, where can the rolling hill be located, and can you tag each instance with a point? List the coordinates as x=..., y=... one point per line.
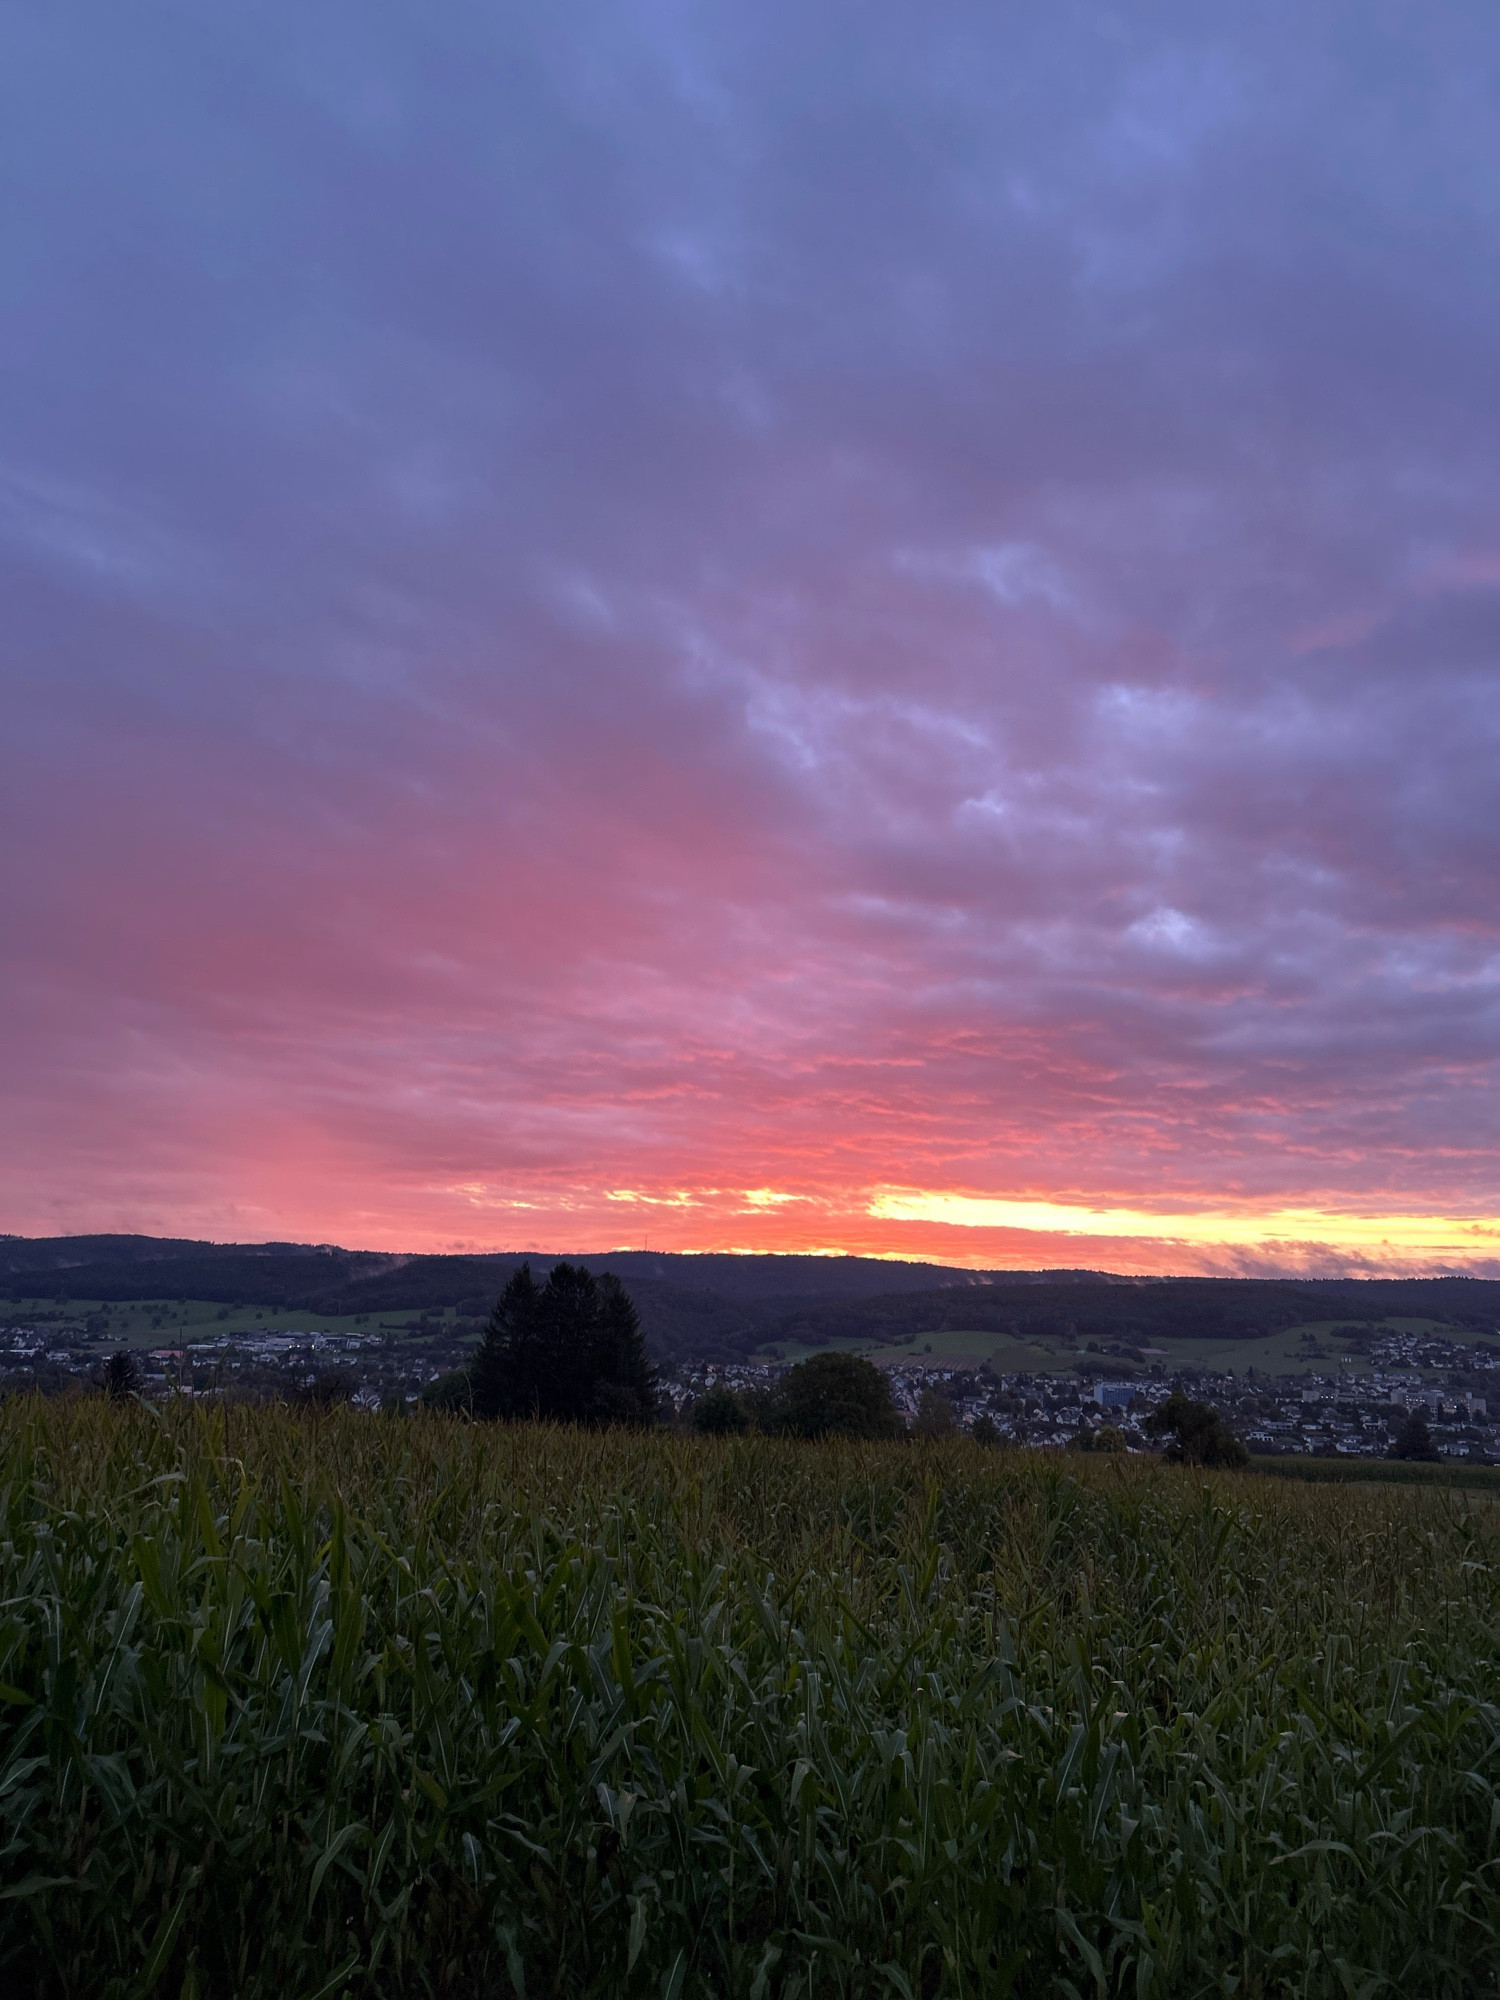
x=722, y=1307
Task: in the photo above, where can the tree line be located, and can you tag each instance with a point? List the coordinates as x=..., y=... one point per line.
x=570, y=1350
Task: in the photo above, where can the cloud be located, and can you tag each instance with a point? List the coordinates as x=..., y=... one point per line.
x=758, y=599
x=1390, y=1241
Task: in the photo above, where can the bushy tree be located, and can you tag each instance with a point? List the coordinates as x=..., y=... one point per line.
x=451, y=1391
x=934, y=1415
x=720, y=1413
x=984, y=1430
x=570, y=1351
x=1414, y=1440
x=327, y=1388
x=1108, y=1438
x=1198, y=1434
x=836, y=1394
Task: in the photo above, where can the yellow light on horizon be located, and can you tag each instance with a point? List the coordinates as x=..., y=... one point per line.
x=1232, y=1228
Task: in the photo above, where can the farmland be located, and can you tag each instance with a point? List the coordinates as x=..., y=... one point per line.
x=327, y=1703
x=1301, y=1349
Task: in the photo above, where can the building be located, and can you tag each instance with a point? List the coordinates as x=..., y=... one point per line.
x=1113, y=1395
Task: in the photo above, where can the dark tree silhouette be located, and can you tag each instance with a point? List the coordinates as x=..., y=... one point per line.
x=327, y=1388
x=1414, y=1440
x=507, y=1376
x=1199, y=1434
x=622, y=1384
x=122, y=1375
x=451, y=1391
x=569, y=1351
x=720, y=1413
x=836, y=1394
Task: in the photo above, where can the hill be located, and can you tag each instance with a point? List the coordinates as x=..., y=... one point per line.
x=723, y=1307
x=705, y=1307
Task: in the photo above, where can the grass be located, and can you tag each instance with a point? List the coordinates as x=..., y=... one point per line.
x=149, y=1323
x=1297, y=1350
x=1380, y=1472
x=301, y=1706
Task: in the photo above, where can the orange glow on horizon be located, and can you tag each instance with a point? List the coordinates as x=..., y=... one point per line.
x=997, y=1233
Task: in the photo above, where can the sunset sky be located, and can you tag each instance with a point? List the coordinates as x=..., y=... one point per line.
x=754, y=626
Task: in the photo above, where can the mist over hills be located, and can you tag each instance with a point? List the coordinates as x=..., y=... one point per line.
x=723, y=1306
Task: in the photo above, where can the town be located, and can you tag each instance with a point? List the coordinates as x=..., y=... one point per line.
x=1352, y=1403
x=1342, y=1413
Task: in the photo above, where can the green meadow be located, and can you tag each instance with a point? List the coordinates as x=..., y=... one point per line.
x=304, y=1705
x=1305, y=1349
x=147, y=1323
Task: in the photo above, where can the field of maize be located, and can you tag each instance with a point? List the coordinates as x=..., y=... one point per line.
x=302, y=1705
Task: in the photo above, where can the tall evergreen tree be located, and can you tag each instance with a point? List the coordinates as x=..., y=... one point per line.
x=570, y=1351
x=508, y=1374
x=623, y=1389
x=568, y=1310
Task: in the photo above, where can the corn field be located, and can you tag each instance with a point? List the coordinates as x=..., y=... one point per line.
x=304, y=1705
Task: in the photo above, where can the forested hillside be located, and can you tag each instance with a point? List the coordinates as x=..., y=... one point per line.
x=723, y=1307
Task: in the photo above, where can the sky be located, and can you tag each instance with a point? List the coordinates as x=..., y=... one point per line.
x=754, y=626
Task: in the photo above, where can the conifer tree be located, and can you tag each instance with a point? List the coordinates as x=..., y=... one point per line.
x=507, y=1375
x=623, y=1388
x=570, y=1351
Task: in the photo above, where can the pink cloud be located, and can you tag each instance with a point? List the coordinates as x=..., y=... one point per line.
x=798, y=625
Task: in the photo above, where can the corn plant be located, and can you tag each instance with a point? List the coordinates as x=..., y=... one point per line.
x=311, y=1704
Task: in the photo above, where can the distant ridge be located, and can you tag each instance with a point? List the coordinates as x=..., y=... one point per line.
x=759, y=1275
x=719, y=1305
